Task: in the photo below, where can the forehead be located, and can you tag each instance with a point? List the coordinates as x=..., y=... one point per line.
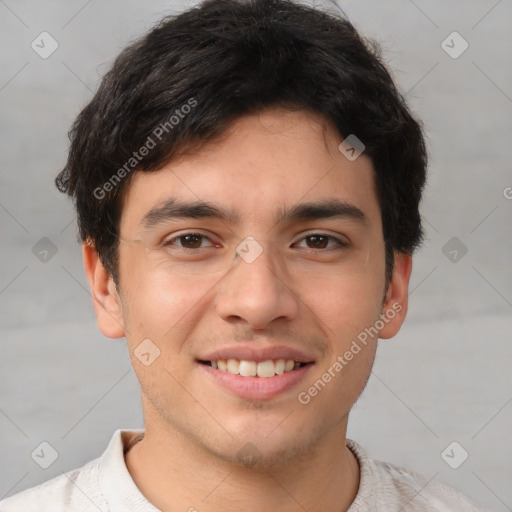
x=262, y=164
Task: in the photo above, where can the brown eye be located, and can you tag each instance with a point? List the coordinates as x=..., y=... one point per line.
x=322, y=241
x=191, y=241
x=187, y=241
x=318, y=241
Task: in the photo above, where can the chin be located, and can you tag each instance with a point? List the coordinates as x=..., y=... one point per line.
x=251, y=457
x=258, y=452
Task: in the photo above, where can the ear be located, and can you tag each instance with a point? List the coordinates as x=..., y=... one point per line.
x=105, y=298
x=394, y=310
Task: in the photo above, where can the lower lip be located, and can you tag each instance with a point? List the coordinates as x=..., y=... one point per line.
x=258, y=388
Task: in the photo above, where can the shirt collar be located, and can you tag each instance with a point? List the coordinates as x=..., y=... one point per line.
x=115, y=480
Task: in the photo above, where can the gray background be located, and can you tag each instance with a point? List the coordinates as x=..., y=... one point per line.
x=446, y=377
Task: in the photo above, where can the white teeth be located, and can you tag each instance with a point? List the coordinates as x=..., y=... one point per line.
x=280, y=364
x=233, y=366
x=266, y=369
x=263, y=369
x=248, y=368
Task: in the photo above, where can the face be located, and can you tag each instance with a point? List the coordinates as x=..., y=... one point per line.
x=203, y=295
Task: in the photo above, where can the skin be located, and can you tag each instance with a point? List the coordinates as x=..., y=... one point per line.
x=195, y=428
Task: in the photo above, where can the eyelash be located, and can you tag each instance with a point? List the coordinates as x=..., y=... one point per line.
x=166, y=243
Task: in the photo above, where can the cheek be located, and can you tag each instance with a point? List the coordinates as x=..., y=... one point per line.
x=154, y=300
x=348, y=304
x=162, y=306
x=345, y=309
x=165, y=309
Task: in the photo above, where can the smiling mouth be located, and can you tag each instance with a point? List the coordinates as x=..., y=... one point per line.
x=262, y=369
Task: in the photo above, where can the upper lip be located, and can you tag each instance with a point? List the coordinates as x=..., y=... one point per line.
x=257, y=354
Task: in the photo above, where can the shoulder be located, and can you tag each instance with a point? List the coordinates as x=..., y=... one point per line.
x=385, y=486
x=100, y=485
x=75, y=490
x=420, y=492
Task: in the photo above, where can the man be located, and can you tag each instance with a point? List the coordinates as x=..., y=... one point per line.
x=247, y=181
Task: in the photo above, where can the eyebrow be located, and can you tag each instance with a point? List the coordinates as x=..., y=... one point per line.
x=173, y=208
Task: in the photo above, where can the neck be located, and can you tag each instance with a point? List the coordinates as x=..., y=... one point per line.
x=184, y=477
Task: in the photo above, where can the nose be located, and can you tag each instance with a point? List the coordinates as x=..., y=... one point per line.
x=257, y=293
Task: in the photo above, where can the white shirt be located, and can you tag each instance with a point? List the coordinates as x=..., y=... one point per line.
x=105, y=485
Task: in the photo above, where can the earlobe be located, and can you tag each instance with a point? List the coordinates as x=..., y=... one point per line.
x=394, y=310
x=106, y=301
